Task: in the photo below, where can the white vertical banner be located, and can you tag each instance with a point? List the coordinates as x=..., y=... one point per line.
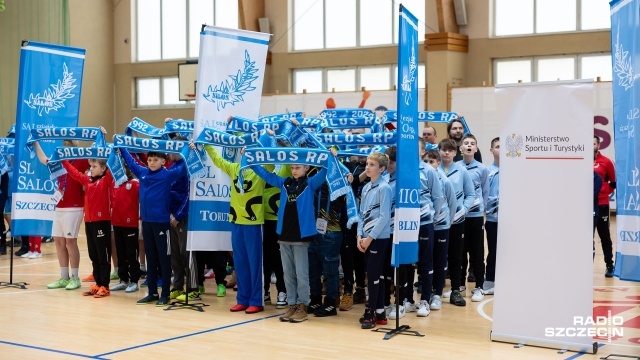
x=544, y=277
x=230, y=77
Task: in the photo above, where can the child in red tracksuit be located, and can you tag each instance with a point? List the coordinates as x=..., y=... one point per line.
x=125, y=212
x=97, y=221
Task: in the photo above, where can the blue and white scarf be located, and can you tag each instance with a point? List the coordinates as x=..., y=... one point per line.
x=284, y=129
x=347, y=113
x=385, y=138
x=348, y=123
x=278, y=117
x=183, y=127
x=192, y=158
x=361, y=151
x=65, y=133
x=69, y=153
x=218, y=138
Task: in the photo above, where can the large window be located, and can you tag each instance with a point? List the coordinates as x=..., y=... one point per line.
x=552, y=68
x=331, y=24
x=170, y=29
x=524, y=17
x=350, y=79
x=158, y=92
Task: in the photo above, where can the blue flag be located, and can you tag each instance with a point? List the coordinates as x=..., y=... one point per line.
x=625, y=34
x=407, y=211
x=48, y=97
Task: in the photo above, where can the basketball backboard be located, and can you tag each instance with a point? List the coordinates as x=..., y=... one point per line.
x=187, y=77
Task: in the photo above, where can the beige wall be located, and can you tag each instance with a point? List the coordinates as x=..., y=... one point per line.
x=91, y=27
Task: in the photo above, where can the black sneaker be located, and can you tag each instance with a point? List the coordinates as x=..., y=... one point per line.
x=381, y=319
x=3, y=250
x=369, y=319
x=315, y=303
x=457, y=299
x=359, y=297
x=148, y=299
x=609, y=272
x=327, y=309
x=163, y=301
x=21, y=252
x=471, y=278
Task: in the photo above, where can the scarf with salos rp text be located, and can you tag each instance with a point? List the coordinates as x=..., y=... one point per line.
x=70, y=153
x=60, y=134
x=286, y=116
x=192, y=158
x=182, y=127
x=336, y=172
x=283, y=129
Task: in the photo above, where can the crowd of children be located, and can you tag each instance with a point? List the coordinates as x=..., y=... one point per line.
x=303, y=233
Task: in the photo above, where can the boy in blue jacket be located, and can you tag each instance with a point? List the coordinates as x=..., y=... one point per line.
x=155, y=184
x=296, y=229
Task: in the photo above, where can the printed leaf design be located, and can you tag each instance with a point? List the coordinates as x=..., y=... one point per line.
x=622, y=66
x=54, y=98
x=233, y=89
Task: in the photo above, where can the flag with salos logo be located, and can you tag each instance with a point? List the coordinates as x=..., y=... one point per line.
x=625, y=56
x=230, y=77
x=49, y=90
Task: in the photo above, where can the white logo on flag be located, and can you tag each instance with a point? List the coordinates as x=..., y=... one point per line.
x=231, y=91
x=623, y=67
x=407, y=81
x=53, y=98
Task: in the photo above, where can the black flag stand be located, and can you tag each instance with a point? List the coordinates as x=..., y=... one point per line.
x=175, y=305
x=11, y=284
x=404, y=329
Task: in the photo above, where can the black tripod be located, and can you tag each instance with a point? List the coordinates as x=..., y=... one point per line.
x=11, y=284
x=198, y=306
x=404, y=329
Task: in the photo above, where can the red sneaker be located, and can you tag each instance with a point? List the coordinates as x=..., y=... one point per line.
x=238, y=307
x=254, y=309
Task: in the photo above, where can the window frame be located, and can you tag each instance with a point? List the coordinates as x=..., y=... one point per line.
x=161, y=105
x=578, y=18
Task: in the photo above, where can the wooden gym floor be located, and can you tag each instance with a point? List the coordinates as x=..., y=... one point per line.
x=38, y=323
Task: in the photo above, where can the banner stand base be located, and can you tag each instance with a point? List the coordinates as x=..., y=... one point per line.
x=403, y=330
x=175, y=305
x=561, y=346
x=11, y=284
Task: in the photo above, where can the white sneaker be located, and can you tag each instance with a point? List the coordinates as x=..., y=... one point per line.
x=408, y=306
x=423, y=308
x=477, y=294
x=282, y=301
x=132, y=287
x=488, y=287
x=462, y=289
x=26, y=255
x=35, y=255
x=387, y=309
x=392, y=314
x=273, y=278
x=436, y=303
x=119, y=286
x=447, y=294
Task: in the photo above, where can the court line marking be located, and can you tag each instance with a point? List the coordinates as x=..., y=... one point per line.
x=481, y=309
x=32, y=263
x=575, y=356
x=187, y=335
x=22, y=292
x=51, y=350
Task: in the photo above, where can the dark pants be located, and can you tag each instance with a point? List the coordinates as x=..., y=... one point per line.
x=440, y=248
x=127, y=249
x=324, y=260
x=456, y=245
x=4, y=192
x=388, y=272
x=99, y=246
x=352, y=260
x=425, y=260
x=182, y=262
x=474, y=238
x=604, y=234
x=271, y=260
x=158, y=249
x=374, y=257
x=492, y=243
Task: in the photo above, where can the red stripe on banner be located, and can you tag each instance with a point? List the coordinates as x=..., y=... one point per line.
x=615, y=310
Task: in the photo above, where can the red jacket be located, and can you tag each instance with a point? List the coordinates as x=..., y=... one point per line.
x=604, y=167
x=125, y=204
x=72, y=192
x=96, y=193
